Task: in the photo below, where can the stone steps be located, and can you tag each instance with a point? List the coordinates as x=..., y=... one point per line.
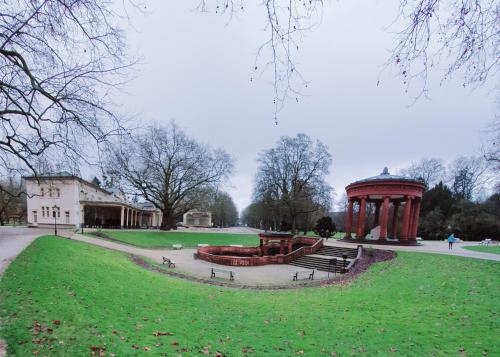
x=338, y=251
x=315, y=262
x=321, y=260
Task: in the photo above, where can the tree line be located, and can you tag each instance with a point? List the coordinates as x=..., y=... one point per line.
x=463, y=198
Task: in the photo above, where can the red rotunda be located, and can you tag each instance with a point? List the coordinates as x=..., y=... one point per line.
x=396, y=201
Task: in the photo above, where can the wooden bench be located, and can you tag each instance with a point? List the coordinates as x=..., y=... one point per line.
x=488, y=241
x=308, y=273
x=224, y=271
x=170, y=263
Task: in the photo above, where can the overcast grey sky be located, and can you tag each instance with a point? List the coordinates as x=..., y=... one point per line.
x=196, y=69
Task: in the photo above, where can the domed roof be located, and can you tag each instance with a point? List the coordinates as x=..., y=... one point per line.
x=386, y=176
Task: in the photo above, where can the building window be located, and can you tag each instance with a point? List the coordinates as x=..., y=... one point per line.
x=58, y=192
x=42, y=192
x=50, y=192
x=35, y=217
x=43, y=211
x=56, y=212
x=67, y=216
x=47, y=212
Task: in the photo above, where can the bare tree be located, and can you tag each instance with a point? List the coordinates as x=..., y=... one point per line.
x=491, y=151
x=461, y=35
x=468, y=177
x=294, y=174
x=430, y=171
x=222, y=207
x=287, y=22
x=12, y=200
x=59, y=60
x=168, y=169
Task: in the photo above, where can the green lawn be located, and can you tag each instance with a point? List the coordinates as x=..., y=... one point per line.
x=63, y=298
x=166, y=239
x=484, y=249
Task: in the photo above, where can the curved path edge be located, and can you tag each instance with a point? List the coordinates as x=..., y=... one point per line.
x=360, y=267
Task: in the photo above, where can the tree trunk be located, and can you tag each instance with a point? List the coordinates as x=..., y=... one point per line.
x=167, y=222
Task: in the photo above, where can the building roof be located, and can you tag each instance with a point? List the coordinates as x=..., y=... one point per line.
x=385, y=175
x=64, y=175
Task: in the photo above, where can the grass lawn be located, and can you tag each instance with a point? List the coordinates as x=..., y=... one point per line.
x=65, y=298
x=484, y=249
x=147, y=239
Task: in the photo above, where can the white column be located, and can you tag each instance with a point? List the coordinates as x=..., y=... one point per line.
x=82, y=215
x=122, y=216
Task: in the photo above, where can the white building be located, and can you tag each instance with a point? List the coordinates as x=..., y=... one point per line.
x=74, y=201
x=196, y=218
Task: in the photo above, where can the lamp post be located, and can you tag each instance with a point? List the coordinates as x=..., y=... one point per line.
x=54, y=213
x=344, y=256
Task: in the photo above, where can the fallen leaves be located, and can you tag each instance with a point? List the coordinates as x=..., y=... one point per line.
x=160, y=333
x=97, y=351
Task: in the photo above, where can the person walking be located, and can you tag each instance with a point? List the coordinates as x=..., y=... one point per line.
x=451, y=240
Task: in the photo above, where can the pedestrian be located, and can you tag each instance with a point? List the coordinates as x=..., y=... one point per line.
x=451, y=240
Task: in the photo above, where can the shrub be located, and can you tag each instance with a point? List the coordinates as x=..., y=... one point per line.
x=325, y=227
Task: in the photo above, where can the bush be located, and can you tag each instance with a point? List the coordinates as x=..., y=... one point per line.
x=325, y=227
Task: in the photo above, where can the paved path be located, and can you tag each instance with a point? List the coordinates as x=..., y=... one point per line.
x=13, y=240
x=438, y=247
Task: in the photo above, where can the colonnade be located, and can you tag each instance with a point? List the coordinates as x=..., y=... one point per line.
x=409, y=224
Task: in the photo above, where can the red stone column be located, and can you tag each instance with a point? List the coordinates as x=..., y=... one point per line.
x=394, y=229
x=361, y=218
x=384, y=218
x=289, y=246
x=348, y=219
x=406, y=218
x=415, y=217
x=377, y=214
x=282, y=247
x=410, y=225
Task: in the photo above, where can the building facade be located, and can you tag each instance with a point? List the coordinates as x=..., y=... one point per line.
x=196, y=218
x=73, y=202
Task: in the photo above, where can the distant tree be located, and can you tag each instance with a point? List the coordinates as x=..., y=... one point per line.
x=433, y=225
x=58, y=61
x=430, y=171
x=222, y=207
x=477, y=221
x=468, y=176
x=293, y=174
x=325, y=227
x=168, y=169
x=12, y=200
x=440, y=196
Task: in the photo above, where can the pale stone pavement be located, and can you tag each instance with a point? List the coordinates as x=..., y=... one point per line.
x=438, y=247
x=14, y=240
